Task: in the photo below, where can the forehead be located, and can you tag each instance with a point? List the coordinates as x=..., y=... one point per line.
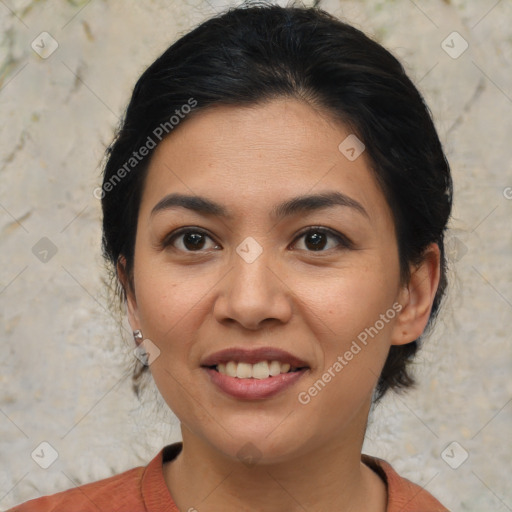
x=260, y=155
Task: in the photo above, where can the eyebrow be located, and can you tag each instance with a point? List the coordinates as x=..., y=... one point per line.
x=294, y=206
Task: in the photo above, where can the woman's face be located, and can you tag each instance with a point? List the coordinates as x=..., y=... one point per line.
x=270, y=272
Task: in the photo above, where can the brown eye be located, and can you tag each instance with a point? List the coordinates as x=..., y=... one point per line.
x=317, y=239
x=189, y=240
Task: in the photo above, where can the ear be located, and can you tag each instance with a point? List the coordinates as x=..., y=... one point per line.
x=131, y=302
x=416, y=298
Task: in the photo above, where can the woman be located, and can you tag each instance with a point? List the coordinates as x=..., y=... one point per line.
x=274, y=208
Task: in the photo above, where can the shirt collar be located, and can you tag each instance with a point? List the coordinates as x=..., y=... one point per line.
x=155, y=492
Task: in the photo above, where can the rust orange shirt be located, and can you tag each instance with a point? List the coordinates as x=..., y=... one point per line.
x=143, y=489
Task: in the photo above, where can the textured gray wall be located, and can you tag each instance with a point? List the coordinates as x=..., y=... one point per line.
x=63, y=367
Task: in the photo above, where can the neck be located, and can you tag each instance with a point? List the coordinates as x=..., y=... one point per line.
x=329, y=477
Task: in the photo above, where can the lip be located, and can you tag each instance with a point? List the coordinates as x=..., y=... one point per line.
x=254, y=389
x=253, y=356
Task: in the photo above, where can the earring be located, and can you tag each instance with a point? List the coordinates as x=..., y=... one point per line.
x=137, y=335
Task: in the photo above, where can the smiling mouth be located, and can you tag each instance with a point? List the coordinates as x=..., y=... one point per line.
x=260, y=370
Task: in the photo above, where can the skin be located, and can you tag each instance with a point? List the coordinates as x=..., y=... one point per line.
x=310, y=303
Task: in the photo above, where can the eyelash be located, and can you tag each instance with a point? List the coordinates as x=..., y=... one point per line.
x=343, y=241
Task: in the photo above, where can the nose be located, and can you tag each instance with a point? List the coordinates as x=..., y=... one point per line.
x=254, y=294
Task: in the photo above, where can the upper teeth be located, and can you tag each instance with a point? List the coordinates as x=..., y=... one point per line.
x=261, y=370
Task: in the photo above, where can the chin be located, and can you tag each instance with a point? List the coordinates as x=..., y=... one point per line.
x=260, y=445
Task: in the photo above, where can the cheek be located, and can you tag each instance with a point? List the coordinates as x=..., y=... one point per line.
x=354, y=341
x=170, y=304
x=354, y=298
x=357, y=316
x=168, y=296
x=174, y=309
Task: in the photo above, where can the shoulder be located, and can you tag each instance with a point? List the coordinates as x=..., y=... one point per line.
x=403, y=495
x=136, y=490
x=124, y=490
